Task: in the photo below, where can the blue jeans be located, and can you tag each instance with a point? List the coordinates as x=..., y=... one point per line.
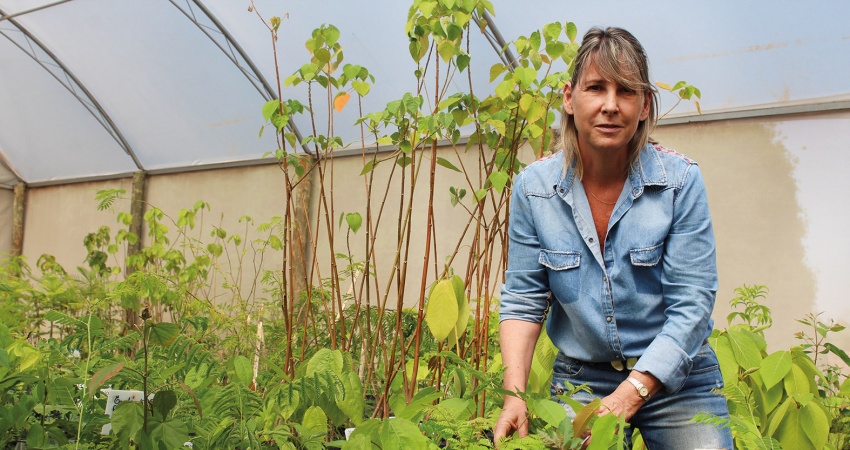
x=665, y=420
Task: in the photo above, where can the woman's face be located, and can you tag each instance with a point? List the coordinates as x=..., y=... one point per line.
x=606, y=114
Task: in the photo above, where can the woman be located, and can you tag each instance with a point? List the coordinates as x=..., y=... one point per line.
x=612, y=236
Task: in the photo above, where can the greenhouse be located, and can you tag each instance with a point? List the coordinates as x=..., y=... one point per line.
x=284, y=220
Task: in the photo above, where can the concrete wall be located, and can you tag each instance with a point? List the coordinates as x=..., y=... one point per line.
x=776, y=195
x=58, y=218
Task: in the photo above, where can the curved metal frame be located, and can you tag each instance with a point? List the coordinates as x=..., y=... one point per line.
x=68, y=80
x=235, y=53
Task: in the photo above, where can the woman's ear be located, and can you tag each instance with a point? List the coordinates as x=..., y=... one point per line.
x=647, y=104
x=568, y=98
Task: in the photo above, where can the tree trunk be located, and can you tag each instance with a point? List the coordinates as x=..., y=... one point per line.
x=19, y=209
x=302, y=247
x=137, y=211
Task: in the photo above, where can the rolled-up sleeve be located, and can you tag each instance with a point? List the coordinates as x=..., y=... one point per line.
x=525, y=292
x=689, y=285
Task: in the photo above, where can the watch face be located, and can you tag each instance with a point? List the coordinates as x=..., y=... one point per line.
x=643, y=392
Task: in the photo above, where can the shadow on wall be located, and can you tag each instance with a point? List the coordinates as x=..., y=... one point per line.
x=758, y=221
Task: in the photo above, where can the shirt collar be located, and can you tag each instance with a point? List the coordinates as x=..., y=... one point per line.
x=647, y=170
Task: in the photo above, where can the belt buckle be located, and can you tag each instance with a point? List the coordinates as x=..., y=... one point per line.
x=619, y=365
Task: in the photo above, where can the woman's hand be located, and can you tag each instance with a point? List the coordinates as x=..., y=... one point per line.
x=624, y=401
x=513, y=419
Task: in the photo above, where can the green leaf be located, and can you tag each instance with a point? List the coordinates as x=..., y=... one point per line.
x=243, y=369
x=479, y=195
x=127, y=421
x=322, y=55
x=458, y=409
x=309, y=71
x=361, y=87
x=331, y=35
x=325, y=360
x=462, y=62
x=550, y=411
x=352, y=404
x=450, y=101
x=774, y=368
x=441, y=311
x=417, y=406
x=572, y=31
x=401, y=433
x=173, y=433
x=746, y=352
x=815, y=424
x=790, y=432
x=772, y=397
x=164, y=333
x=838, y=352
x=447, y=50
x=603, y=432
x=103, y=375
x=779, y=414
x=535, y=111
x=584, y=417
x=315, y=420
x=796, y=381
x=354, y=221
x=499, y=180
x=525, y=102
x=525, y=75
x=726, y=358
x=445, y=163
x=504, y=89
x=462, y=303
x=553, y=30
x=370, y=166
x=555, y=49
x=496, y=70
x=270, y=108
x=163, y=402
x=499, y=125
x=351, y=70
x=35, y=436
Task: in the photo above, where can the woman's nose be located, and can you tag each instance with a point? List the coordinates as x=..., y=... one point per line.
x=609, y=104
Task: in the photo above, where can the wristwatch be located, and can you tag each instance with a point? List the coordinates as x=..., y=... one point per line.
x=642, y=390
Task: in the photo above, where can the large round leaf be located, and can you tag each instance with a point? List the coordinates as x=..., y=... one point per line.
x=774, y=368
x=325, y=360
x=163, y=333
x=441, y=311
x=401, y=433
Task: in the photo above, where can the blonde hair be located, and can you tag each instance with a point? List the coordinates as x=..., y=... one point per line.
x=617, y=56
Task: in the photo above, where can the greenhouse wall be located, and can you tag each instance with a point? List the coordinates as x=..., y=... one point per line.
x=773, y=185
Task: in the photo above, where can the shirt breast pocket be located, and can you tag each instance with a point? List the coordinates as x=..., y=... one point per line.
x=564, y=273
x=647, y=268
x=648, y=256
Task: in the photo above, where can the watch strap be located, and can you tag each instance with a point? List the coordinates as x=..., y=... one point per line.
x=642, y=390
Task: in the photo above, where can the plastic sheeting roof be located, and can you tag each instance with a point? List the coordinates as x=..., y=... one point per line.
x=102, y=88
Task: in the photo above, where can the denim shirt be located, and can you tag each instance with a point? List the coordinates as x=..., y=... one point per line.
x=648, y=294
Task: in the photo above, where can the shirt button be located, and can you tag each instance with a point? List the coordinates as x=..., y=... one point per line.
x=590, y=240
x=604, y=278
x=608, y=319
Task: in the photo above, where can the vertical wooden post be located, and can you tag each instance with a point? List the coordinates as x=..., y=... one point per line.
x=137, y=212
x=303, y=199
x=18, y=212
